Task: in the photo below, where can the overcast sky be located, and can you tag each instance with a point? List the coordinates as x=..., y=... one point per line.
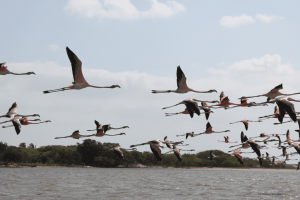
x=241, y=48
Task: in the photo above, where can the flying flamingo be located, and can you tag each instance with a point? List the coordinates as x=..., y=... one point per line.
x=155, y=146
x=273, y=93
x=24, y=121
x=206, y=109
x=187, y=112
x=12, y=112
x=224, y=101
x=79, y=81
x=274, y=160
x=244, y=144
x=4, y=70
x=244, y=103
x=209, y=130
x=245, y=122
x=102, y=132
x=191, y=134
x=237, y=153
x=256, y=148
x=170, y=144
x=75, y=135
x=261, y=135
x=181, y=84
x=119, y=153
x=177, y=152
x=227, y=140
x=106, y=127
x=275, y=115
x=212, y=155
x=191, y=106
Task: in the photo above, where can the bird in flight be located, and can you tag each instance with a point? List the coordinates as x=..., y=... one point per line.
x=79, y=81
x=181, y=85
x=4, y=70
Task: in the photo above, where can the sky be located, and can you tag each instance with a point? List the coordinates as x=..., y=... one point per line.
x=240, y=47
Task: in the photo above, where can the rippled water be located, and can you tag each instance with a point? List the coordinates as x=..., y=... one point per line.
x=99, y=183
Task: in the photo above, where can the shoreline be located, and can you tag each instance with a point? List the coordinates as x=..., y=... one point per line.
x=192, y=168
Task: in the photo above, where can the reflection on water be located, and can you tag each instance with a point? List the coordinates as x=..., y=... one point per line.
x=99, y=183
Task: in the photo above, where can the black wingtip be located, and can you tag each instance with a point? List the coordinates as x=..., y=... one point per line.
x=45, y=92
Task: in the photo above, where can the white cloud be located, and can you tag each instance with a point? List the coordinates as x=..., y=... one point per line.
x=234, y=21
x=268, y=66
x=122, y=9
x=54, y=47
x=267, y=18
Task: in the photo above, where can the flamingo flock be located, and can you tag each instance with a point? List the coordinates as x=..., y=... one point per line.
x=284, y=109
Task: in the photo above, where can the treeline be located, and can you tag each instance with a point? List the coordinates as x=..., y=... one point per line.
x=93, y=153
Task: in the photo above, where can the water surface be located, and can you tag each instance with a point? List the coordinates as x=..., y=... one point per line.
x=111, y=183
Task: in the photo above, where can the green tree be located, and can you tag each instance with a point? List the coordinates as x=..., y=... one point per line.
x=22, y=145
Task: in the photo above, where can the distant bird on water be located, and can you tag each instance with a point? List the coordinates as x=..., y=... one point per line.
x=181, y=85
x=79, y=81
x=5, y=71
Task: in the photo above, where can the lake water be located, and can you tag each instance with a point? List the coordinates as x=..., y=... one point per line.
x=99, y=183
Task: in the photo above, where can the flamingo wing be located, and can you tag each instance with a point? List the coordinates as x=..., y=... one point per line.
x=178, y=155
x=246, y=124
x=105, y=127
x=14, y=107
x=119, y=153
x=243, y=137
x=192, y=107
x=222, y=95
x=255, y=148
x=288, y=135
x=76, y=67
x=285, y=105
x=208, y=127
x=156, y=151
x=17, y=125
x=244, y=100
x=98, y=125
x=297, y=149
x=181, y=79
x=240, y=158
x=276, y=110
x=276, y=89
